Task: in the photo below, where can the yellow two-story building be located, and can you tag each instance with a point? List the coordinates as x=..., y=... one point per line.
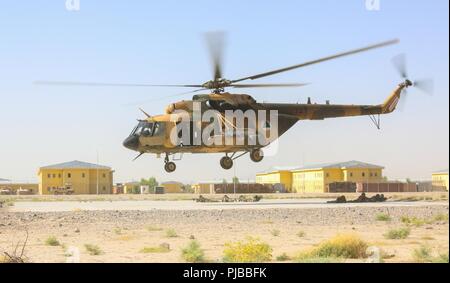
x=316, y=178
x=440, y=179
x=276, y=175
x=77, y=177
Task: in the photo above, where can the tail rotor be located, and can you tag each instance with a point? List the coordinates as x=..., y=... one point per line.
x=426, y=86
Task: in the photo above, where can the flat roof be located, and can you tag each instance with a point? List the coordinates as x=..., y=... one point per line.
x=76, y=165
x=340, y=165
x=172, y=183
x=445, y=171
x=277, y=169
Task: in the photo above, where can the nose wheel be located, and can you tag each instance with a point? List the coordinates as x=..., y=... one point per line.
x=256, y=155
x=226, y=162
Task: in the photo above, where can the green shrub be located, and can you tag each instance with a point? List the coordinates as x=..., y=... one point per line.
x=440, y=218
x=52, y=241
x=395, y=234
x=442, y=258
x=422, y=254
x=346, y=246
x=413, y=221
x=193, y=252
x=335, y=250
x=275, y=233
x=301, y=234
x=283, y=257
x=383, y=217
x=163, y=248
x=171, y=233
x=252, y=250
x=93, y=249
x=153, y=228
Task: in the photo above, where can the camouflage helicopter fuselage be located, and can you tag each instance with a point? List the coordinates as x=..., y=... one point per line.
x=157, y=140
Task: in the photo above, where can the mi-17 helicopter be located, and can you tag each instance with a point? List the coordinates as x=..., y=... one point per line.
x=154, y=134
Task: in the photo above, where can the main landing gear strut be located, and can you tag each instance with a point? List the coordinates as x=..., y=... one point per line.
x=256, y=155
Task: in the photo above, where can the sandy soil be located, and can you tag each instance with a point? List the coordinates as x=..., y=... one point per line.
x=122, y=234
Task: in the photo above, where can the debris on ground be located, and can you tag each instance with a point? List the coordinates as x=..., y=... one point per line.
x=361, y=199
x=226, y=198
x=203, y=199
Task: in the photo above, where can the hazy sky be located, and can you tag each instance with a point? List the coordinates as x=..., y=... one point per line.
x=161, y=42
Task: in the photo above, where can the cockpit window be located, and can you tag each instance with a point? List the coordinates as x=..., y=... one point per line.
x=147, y=129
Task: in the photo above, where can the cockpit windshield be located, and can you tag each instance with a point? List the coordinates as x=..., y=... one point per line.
x=147, y=129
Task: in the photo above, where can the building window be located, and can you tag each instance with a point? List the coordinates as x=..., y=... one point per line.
x=328, y=175
x=371, y=174
x=83, y=175
x=59, y=176
x=351, y=174
x=376, y=174
x=69, y=175
x=104, y=175
x=49, y=176
x=363, y=174
x=54, y=176
x=104, y=188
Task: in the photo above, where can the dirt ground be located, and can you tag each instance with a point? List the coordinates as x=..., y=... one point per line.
x=121, y=235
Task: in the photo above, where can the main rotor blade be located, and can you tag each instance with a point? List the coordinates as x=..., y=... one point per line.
x=96, y=84
x=265, y=85
x=399, y=63
x=425, y=85
x=163, y=98
x=216, y=44
x=379, y=45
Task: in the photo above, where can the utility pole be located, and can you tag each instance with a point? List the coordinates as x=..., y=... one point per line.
x=97, y=172
x=234, y=180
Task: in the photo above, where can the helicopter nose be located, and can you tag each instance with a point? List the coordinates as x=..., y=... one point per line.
x=132, y=142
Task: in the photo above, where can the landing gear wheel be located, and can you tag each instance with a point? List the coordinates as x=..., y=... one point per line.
x=226, y=163
x=256, y=155
x=170, y=167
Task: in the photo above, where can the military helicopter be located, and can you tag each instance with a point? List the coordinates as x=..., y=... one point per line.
x=153, y=134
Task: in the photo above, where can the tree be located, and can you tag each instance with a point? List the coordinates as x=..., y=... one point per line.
x=151, y=182
x=235, y=180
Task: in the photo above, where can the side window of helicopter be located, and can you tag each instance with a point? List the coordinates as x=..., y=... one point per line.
x=146, y=129
x=157, y=129
x=133, y=132
x=146, y=132
x=138, y=131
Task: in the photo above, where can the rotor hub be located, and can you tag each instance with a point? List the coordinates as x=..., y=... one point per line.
x=218, y=85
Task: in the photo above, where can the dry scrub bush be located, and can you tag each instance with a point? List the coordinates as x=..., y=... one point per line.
x=252, y=250
x=334, y=249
